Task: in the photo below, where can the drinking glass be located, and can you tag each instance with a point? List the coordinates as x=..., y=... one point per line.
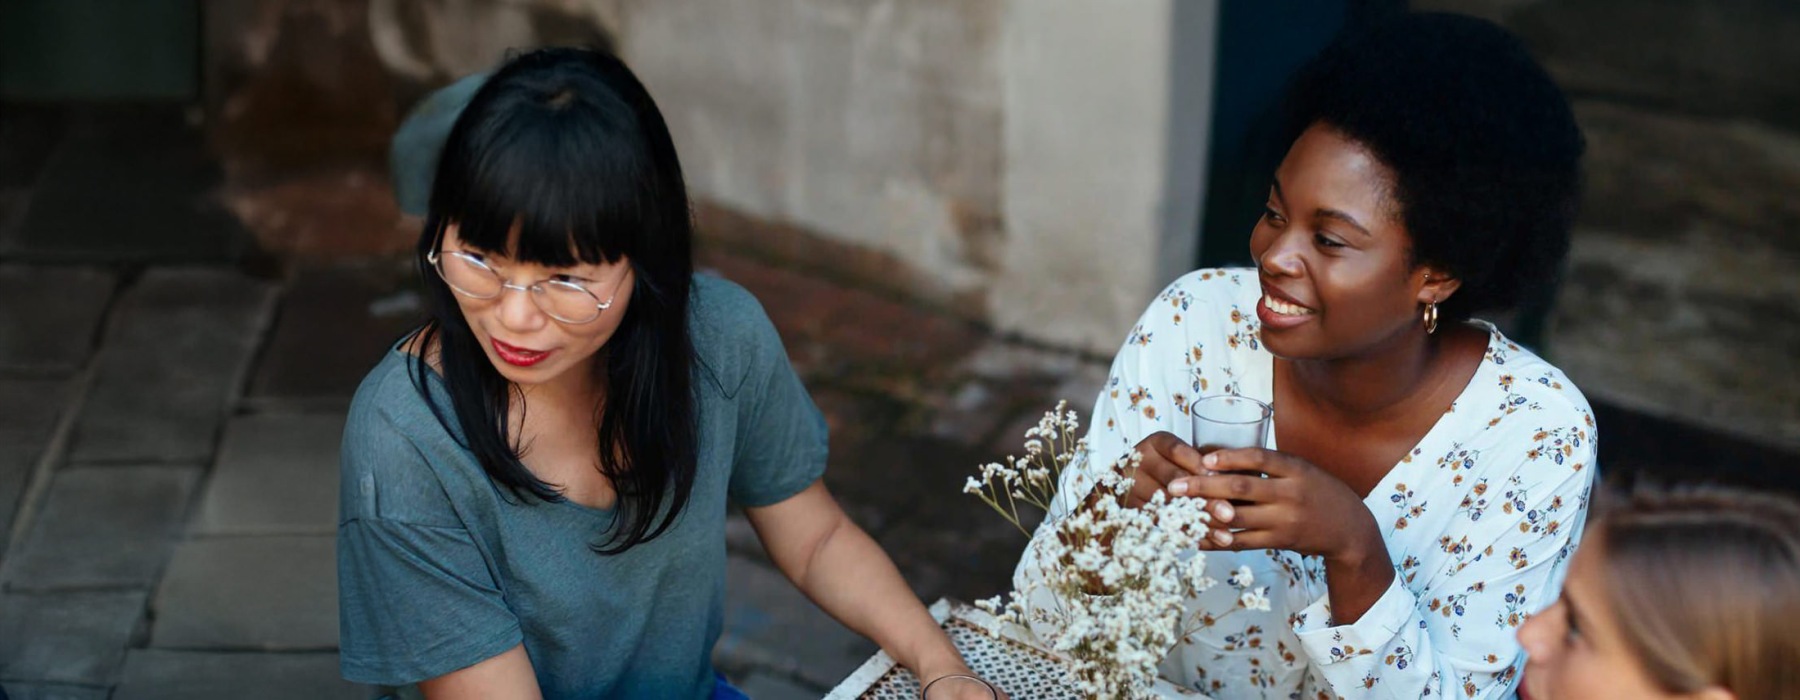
x=1228, y=421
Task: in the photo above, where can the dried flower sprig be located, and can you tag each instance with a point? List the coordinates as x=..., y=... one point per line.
x=1050, y=446
x=1114, y=579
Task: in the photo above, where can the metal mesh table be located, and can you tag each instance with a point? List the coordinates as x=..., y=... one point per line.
x=1004, y=654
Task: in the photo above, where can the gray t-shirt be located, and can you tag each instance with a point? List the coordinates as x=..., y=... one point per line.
x=440, y=568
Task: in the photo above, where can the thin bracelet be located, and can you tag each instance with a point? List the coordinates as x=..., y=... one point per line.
x=977, y=679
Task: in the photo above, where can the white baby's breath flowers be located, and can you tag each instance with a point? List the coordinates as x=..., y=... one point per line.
x=1117, y=577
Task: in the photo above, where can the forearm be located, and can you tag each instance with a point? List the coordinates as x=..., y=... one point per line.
x=852, y=579
x=507, y=675
x=1358, y=576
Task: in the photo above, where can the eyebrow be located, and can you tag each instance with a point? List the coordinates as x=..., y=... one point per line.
x=462, y=248
x=1325, y=212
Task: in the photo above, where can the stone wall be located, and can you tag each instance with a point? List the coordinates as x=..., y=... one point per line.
x=1030, y=165
x=1681, y=297
x=1023, y=164
x=876, y=124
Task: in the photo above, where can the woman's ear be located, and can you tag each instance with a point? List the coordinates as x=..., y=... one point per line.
x=1436, y=285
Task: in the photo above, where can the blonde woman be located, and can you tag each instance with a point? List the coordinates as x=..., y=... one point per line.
x=1676, y=594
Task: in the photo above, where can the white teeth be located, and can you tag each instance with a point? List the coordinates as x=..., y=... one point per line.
x=1284, y=308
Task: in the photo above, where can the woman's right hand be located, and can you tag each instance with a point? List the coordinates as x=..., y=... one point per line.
x=1165, y=459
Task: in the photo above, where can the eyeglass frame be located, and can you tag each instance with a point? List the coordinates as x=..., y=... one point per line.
x=536, y=289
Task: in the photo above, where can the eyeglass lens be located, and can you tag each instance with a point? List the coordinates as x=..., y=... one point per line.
x=564, y=301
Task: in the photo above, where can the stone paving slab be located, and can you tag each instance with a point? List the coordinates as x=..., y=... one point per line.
x=77, y=638
x=894, y=479
x=764, y=686
x=180, y=343
x=13, y=204
x=128, y=185
x=103, y=527
x=29, y=410
x=334, y=325
x=159, y=674
x=967, y=555
x=54, y=691
x=770, y=625
x=249, y=593
x=276, y=474
x=48, y=322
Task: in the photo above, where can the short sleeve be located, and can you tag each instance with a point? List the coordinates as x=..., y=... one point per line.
x=416, y=597
x=782, y=440
x=415, y=602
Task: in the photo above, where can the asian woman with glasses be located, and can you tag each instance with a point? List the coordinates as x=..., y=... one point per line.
x=535, y=483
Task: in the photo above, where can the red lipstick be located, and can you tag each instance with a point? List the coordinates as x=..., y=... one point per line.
x=518, y=356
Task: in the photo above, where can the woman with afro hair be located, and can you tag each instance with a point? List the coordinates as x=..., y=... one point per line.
x=1426, y=479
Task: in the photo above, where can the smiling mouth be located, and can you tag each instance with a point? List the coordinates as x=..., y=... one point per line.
x=517, y=356
x=1284, y=308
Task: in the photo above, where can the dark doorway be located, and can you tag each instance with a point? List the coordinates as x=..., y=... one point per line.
x=99, y=50
x=1261, y=45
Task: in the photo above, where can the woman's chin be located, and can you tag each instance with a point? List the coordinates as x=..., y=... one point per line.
x=1284, y=345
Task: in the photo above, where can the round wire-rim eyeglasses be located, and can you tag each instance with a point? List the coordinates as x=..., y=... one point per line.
x=539, y=290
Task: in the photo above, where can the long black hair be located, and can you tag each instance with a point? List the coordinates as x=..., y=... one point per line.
x=566, y=147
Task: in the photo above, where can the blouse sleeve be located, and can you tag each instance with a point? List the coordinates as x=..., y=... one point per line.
x=416, y=598
x=1454, y=636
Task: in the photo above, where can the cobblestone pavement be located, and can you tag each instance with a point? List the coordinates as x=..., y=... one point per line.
x=171, y=404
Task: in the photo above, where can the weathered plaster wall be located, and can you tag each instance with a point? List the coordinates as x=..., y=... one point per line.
x=1034, y=164
x=877, y=124
x=1095, y=156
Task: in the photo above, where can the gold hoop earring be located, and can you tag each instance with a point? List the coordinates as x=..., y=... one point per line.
x=1431, y=318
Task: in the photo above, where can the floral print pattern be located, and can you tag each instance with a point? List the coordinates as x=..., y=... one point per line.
x=1479, y=518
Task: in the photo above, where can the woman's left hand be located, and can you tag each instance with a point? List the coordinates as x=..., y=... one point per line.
x=1297, y=507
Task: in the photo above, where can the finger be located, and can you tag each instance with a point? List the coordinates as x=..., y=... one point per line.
x=1222, y=512
x=1219, y=512
x=1144, y=485
x=1258, y=539
x=1242, y=459
x=1230, y=487
x=1267, y=517
x=1141, y=493
x=1184, y=457
x=1156, y=471
x=1172, y=450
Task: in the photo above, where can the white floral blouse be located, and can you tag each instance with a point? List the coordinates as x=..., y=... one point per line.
x=1479, y=518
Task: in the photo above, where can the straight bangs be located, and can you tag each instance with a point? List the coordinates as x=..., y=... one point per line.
x=556, y=182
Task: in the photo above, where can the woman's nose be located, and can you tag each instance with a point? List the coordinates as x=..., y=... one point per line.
x=1283, y=255
x=518, y=310
x=1532, y=634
